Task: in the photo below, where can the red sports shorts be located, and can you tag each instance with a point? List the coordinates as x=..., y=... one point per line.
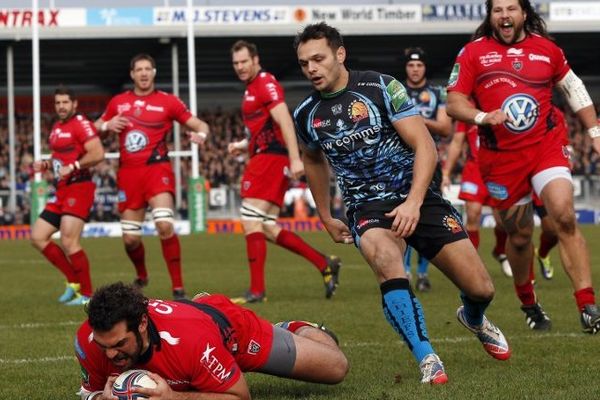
x=266, y=178
x=507, y=174
x=75, y=199
x=139, y=184
x=472, y=187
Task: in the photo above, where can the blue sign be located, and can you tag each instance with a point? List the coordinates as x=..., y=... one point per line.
x=119, y=16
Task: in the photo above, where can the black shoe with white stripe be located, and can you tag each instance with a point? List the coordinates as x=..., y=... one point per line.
x=590, y=319
x=536, y=318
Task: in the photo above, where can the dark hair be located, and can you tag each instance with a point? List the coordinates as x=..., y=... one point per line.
x=62, y=89
x=139, y=57
x=414, y=54
x=320, y=31
x=242, y=44
x=114, y=303
x=533, y=23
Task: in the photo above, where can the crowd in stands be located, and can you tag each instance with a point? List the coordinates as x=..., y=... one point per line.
x=216, y=165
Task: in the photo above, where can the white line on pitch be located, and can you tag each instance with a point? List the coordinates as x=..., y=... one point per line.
x=37, y=360
x=351, y=344
x=30, y=325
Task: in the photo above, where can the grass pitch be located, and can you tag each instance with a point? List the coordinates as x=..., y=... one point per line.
x=36, y=345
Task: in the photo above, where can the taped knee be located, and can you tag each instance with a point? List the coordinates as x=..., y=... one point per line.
x=131, y=227
x=163, y=215
x=251, y=213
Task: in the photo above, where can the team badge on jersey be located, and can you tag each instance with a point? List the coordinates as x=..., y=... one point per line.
x=357, y=111
x=523, y=112
x=135, y=141
x=517, y=65
x=452, y=224
x=253, y=347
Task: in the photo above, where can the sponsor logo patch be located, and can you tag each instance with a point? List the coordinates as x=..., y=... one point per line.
x=121, y=108
x=523, y=112
x=321, y=123
x=214, y=366
x=366, y=222
x=513, y=52
x=397, y=93
x=469, y=187
x=454, y=75
x=79, y=350
x=537, y=57
x=497, y=191
x=336, y=109
x=85, y=377
x=135, y=141
x=490, y=58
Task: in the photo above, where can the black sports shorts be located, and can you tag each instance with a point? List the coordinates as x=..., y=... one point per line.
x=438, y=225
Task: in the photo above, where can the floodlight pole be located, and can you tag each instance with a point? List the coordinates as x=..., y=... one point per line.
x=192, y=79
x=10, y=80
x=35, y=55
x=177, y=128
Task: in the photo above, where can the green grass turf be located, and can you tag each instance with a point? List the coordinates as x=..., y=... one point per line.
x=36, y=333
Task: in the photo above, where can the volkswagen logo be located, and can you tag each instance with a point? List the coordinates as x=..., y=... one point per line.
x=135, y=141
x=522, y=110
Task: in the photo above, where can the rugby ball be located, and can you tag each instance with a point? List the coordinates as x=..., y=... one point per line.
x=128, y=380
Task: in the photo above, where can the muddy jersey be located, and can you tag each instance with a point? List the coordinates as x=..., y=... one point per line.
x=428, y=99
x=262, y=94
x=66, y=141
x=194, y=350
x=353, y=128
x=517, y=79
x=144, y=140
x=472, y=139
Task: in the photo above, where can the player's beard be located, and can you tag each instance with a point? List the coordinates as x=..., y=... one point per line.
x=133, y=358
x=68, y=115
x=517, y=32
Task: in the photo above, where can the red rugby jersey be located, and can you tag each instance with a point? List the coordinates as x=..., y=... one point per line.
x=187, y=347
x=516, y=78
x=261, y=95
x=151, y=118
x=66, y=141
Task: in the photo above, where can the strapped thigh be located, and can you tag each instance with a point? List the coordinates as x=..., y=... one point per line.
x=129, y=227
x=163, y=214
x=251, y=213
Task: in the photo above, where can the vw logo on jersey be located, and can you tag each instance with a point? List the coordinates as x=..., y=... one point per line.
x=523, y=112
x=56, y=164
x=135, y=141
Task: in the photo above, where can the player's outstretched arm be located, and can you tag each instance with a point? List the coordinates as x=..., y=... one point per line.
x=239, y=391
x=459, y=107
x=116, y=124
x=281, y=115
x=198, y=130
x=317, y=175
